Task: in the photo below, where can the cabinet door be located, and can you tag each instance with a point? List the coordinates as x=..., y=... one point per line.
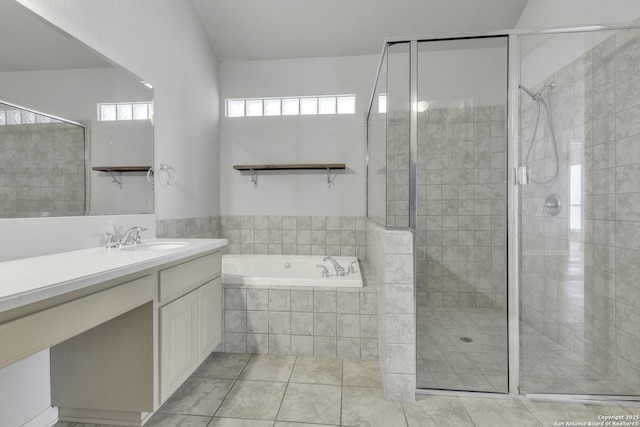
x=210, y=296
x=179, y=342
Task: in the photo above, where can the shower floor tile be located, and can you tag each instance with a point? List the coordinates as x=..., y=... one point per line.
x=448, y=360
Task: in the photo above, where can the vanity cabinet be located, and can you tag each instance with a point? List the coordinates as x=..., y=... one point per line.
x=190, y=318
x=121, y=371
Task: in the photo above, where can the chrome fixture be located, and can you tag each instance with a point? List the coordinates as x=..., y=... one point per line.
x=325, y=272
x=129, y=237
x=339, y=269
x=351, y=269
x=552, y=205
x=132, y=234
x=539, y=99
x=110, y=242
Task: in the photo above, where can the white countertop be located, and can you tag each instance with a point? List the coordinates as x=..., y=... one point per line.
x=30, y=280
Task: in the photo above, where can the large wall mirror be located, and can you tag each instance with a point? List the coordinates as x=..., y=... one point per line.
x=76, y=130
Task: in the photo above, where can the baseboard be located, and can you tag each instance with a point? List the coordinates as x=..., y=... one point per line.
x=46, y=418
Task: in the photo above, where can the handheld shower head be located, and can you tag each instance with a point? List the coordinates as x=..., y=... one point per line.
x=531, y=94
x=538, y=94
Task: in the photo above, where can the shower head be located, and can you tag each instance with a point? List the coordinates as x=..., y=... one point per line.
x=538, y=94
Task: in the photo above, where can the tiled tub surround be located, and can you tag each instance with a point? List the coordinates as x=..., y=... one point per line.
x=461, y=228
x=579, y=278
x=294, y=235
x=207, y=227
x=301, y=321
x=42, y=170
x=389, y=268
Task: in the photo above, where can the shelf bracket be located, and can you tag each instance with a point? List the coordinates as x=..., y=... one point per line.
x=114, y=179
x=254, y=177
x=329, y=179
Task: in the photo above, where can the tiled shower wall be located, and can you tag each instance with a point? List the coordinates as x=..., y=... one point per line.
x=397, y=169
x=295, y=235
x=42, y=170
x=389, y=269
x=461, y=228
x=596, y=111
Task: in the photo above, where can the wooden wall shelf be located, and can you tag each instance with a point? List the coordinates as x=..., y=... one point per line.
x=317, y=166
x=121, y=168
x=299, y=166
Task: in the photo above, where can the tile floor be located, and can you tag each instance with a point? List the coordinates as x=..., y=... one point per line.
x=448, y=363
x=244, y=390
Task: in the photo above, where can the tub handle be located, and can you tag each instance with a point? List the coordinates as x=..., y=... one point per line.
x=325, y=272
x=351, y=269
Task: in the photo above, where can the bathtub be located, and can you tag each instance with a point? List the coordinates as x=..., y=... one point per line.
x=287, y=270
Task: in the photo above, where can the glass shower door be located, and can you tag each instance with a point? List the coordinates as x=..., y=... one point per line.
x=461, y=257
x=580, y=213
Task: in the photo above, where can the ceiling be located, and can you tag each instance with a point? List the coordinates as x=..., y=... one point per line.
x=279, y=29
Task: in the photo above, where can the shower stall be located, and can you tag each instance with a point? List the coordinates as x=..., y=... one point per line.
x=513, y=158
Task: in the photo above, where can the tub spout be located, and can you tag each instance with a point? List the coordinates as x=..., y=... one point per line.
x=325, y=272
x=339, y=269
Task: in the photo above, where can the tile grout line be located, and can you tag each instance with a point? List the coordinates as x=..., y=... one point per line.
x=230, y=388
x=285, y=390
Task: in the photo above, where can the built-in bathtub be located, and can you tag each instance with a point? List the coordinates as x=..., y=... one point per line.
x=279, y=304
x=289, y=270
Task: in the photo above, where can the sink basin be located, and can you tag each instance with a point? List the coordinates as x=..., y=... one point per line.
x=155, y=246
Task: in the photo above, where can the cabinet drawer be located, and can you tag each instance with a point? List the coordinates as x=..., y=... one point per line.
x=178, y=280
x=27, y=335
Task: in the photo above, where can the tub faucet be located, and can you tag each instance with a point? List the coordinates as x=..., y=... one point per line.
x=131, y=236
x=325, y=272
x=339, y=269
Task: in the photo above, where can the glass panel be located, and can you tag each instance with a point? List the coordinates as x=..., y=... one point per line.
x=346, y=104
x=107, y=112
x=254, y=107
x=290, y=107
x=3, y=119
x=398, y=91
x=460, y=254
x=235, y=108
x=382, y=103
x=308, y=105
x=124, y=111
x=28, y=117
x=377, y=153
x=271, y=107
x=14, y=117
x=43, y=119
x=140, y=111
x=327, y=105
x=580, y=299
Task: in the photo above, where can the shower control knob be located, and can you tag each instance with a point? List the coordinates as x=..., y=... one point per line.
x=552, y=205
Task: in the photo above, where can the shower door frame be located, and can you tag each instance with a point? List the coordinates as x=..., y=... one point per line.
x=513, y=193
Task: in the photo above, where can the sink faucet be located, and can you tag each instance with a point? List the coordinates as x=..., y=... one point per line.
x=339, y=269
x=131, y=236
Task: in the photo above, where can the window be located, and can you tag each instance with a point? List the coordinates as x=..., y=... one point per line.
x=125, y=111
x=382, y=104
x=291, y=106
x=23, y=117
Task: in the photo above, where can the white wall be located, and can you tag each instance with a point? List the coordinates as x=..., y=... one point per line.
x=296, y=139
x=164, y=43
x=553, y=13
